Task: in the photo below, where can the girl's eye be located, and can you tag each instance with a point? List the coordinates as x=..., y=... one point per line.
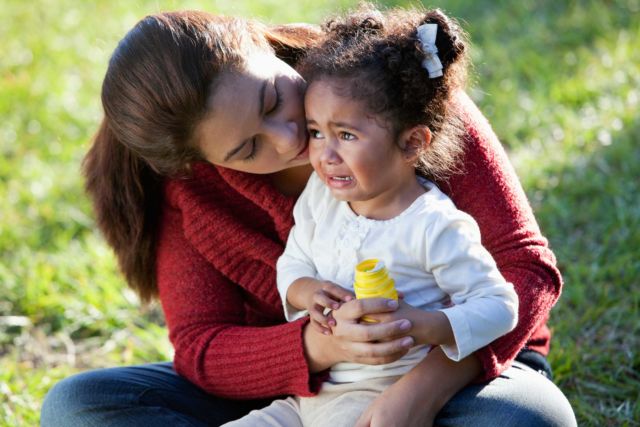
x=278, y=102
x=315, y=134
x=253, y=152
x=347, y=136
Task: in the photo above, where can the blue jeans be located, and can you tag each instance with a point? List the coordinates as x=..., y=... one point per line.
x=154, y=395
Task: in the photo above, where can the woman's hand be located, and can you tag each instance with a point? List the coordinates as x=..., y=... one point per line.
x=352, y=341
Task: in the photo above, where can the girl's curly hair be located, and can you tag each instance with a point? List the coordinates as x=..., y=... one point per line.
x=377, y=59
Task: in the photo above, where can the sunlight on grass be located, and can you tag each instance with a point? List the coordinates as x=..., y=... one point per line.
x=559, y=81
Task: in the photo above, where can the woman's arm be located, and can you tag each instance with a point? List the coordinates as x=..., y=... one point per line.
x=233, y=345
x=227, y=343
x=489, y=190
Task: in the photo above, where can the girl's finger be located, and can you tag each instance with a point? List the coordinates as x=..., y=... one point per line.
x=316, y=315
x=317, y=327
x=324, y=300
x=338, y=292
x=331, y=321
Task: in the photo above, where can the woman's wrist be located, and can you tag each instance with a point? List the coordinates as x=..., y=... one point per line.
x=318, y=349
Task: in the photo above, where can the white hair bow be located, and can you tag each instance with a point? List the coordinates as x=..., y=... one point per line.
x=427, y=36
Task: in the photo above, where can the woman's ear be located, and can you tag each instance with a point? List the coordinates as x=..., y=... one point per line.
x=413, y=141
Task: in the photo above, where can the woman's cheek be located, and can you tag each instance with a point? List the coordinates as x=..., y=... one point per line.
x=314, y=155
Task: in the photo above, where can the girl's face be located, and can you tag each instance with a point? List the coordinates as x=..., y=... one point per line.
x=255, y=121
x=352, y=151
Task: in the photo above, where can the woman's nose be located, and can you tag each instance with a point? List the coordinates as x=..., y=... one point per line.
x=286, y=137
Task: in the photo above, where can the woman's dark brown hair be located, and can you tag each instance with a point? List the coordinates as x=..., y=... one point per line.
x=375, y=58
x=154, y=94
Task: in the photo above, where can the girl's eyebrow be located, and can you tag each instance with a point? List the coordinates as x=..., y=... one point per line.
x=238, y=148
x=336, y=124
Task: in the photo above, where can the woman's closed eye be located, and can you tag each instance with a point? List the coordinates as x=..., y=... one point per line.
x=254, y=141
x=278, y=100
x=253, y=151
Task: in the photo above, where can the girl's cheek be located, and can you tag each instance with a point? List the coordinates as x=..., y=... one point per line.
x=313, y=154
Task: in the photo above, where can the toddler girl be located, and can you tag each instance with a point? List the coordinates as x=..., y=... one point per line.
x=379, y=109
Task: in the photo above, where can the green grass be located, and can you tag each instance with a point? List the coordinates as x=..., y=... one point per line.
x=559, y=81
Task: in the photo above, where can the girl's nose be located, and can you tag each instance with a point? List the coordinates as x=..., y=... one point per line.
x=329, y=155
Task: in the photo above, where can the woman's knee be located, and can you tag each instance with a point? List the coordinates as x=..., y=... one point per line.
x=82, y=399
x=539, y=402
x=64, y=403
x=519, y=397
x=545, y=405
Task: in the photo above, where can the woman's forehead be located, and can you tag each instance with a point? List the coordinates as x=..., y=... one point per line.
x=232, y=109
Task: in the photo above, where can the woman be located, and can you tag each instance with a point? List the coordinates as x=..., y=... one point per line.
x=193, y=174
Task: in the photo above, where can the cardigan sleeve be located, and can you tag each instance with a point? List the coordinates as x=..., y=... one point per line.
x=214, y=347
x=489, y=190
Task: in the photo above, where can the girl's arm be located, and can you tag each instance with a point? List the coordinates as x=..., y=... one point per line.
x=417, y=397
x=489, y=190
x=483, y=304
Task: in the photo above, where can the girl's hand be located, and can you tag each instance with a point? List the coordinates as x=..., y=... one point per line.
x=315, y=296
x=356, y=342
x=397, y=406
x=417, y=397
x=327, y=295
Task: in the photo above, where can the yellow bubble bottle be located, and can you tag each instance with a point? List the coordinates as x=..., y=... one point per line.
x=372, y=281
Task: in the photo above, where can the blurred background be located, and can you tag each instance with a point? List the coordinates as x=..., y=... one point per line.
x=559, y=81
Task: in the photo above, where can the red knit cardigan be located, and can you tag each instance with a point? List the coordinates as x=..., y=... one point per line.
x=222, y=232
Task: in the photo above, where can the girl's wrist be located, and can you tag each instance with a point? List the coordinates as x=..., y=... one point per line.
x=300, y=291
x=432, y=328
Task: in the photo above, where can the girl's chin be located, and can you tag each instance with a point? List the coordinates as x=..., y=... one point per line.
x=344, y=194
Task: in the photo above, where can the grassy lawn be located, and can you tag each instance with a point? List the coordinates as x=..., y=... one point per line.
x=559, y=81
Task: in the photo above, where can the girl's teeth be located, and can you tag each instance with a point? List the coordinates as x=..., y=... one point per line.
x=343, y=178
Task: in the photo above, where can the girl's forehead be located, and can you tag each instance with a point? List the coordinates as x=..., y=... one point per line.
x=339, y=85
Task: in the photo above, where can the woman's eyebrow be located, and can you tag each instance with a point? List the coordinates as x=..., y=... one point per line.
x=237, y=149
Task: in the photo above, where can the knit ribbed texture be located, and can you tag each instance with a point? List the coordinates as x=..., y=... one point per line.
x=490, y=191
x=222, y=232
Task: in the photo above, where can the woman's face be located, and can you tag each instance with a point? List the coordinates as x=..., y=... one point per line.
x=255, y=121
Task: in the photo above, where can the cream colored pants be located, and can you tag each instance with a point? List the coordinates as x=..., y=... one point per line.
x=337, y=405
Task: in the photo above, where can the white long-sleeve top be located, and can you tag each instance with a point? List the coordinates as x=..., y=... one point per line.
x=433, y=252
